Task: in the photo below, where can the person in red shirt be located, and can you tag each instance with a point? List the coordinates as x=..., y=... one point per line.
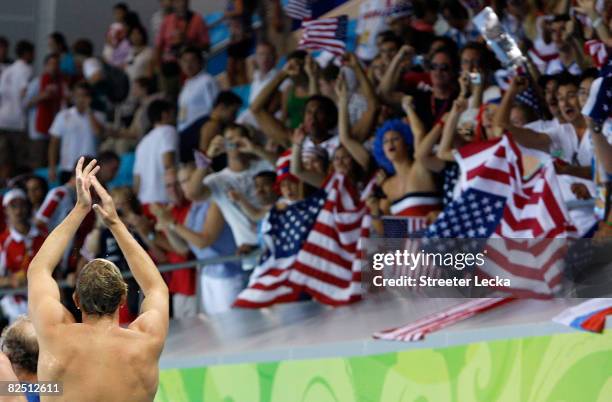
x=182, y=28
x=182, y=283
x=52, y=96
x=178, y=30
x=19, y=242
x=52, y=93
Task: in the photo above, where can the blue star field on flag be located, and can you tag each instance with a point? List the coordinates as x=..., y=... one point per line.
x=290, y=227
x=475, y=214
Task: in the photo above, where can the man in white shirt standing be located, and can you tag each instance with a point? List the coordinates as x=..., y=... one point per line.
x=156, y=154
x=263, y=72
x=74, y=133
x=566, y=140
x=199, y=91
x=242, y=166
x=13, y=83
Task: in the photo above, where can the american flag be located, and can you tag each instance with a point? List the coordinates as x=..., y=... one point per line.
x=403, y=233
x=325, y=34
x=597, y=50
x=417, y=330
x=520, y=217
x=528, y=97
x=329, y=265
x=599, y=103
x=299, y=9
x=284, y=235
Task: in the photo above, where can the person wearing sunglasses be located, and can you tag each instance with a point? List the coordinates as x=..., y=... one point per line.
x=430, y=104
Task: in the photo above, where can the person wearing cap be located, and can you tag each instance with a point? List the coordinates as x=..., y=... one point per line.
x=93, y=72
x=74, y=133
x=18, y=244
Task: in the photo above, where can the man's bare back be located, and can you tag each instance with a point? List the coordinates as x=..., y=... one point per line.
x=100, y=364
x=97, y=360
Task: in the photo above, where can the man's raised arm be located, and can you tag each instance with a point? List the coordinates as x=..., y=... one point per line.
x=154, y=312
x=44, y=305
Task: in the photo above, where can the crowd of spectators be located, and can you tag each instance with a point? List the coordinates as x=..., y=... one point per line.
x=208, y=165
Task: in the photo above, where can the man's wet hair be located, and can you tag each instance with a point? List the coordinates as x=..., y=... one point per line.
x=20, y=344
x=100, y=288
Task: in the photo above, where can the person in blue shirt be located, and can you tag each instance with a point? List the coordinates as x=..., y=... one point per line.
x=58, y=45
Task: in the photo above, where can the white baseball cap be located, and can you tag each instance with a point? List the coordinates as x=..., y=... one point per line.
x=14, y=194
x=91, y=66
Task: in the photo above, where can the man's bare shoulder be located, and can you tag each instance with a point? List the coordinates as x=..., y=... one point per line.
x=83, y=336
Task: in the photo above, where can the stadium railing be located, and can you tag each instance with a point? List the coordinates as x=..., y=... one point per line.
x=198, y=265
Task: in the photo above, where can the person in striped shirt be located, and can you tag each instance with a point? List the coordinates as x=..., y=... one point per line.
x=19, y=241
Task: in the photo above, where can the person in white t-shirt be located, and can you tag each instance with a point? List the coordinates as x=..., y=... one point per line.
x=14, y=80
x=74, y=133
x=236, y=177
x=156, y=154
x=13, y=83
x=566, y=141
x=199, y=90
x=262, y=73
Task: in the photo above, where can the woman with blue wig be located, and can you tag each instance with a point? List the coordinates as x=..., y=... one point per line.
x=410, y=189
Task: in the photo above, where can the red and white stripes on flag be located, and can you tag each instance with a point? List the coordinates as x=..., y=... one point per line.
x=325, y=34
x=299, y=9
x=534, y=266
x=596, y=49
x=328, y=266
x=527, y=246
x=268, y=284
x=417, y=330
x=534, y=207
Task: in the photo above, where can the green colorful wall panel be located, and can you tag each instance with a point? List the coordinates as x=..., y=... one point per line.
x=575, y=367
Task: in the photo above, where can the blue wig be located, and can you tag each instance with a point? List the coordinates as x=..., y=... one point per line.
x=379, y=153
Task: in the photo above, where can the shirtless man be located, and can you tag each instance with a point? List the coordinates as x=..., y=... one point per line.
x=97, y=360
x=19, y=358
